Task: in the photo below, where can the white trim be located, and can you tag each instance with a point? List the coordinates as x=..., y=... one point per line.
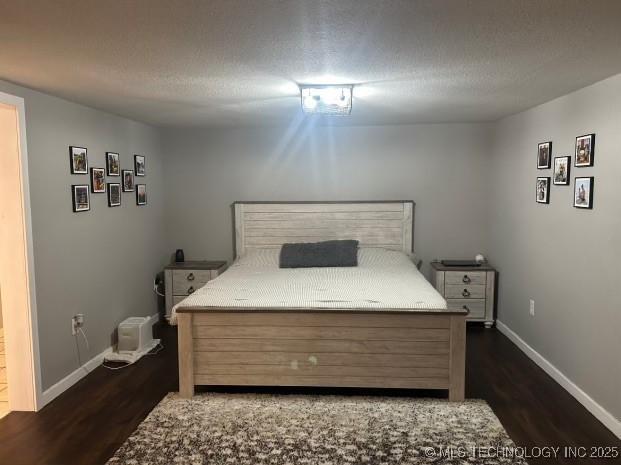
x=599, y=412
x=154, y=319
x=57, y=389
x=32, y=352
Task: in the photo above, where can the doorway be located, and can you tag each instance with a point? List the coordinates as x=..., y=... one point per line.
x=19, y=364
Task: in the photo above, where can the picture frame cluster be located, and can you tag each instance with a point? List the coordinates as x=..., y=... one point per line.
x=80, y=193
x=584, y=156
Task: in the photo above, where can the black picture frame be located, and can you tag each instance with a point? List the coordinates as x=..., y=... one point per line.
x=584, y=200
x=78, y=159
x=113, y=164
x=114, y=194
x=140, y=168
x=559, y=178
x=141, y=194
x=542, y=189
x=128, y=183
x=98, y=180
x=544, y=155
x=587, y=158
x=80, y=198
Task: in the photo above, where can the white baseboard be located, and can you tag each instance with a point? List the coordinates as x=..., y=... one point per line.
x=154, y=319
x=57, y=389
x=599, y=412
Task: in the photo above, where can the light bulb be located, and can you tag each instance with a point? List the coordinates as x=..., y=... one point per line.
x=334, y=100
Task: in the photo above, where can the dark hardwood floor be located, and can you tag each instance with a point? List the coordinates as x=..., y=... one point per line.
x=87, y=423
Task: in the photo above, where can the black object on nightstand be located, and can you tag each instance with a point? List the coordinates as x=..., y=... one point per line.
x=457, y=263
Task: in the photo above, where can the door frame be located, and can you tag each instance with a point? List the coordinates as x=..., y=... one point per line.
x=25, y=392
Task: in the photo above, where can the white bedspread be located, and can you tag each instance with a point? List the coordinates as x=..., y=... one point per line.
x=383, y=279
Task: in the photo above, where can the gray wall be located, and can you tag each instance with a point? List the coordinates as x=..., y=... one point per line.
x=102, y=262
x=473, y=185
x=565, y=259
x=441, y=167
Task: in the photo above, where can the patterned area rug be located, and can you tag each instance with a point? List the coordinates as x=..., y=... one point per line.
x=264, y=429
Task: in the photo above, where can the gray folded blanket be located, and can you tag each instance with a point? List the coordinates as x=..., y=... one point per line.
x=319, y=254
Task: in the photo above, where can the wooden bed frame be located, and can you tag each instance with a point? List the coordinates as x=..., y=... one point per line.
x=392, y=348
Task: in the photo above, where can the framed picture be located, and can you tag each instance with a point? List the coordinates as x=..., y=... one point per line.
x=139, y=165
x=80, y=197
x=113, y=164
x=114, y=194
x=543, y=190
x=79, y=160
x=561, y=171
x=583, y=192
x=98, y=180
x=141, y=194
x=544, y=155
x=128, y=180
x=585, y=150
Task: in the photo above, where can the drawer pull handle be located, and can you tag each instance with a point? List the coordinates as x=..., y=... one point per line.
x=465, y=307
x=191, y=277
x=465, y=293
x=466, y=279
x=191, y=289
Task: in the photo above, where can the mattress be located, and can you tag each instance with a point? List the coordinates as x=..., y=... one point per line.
x=383, y=280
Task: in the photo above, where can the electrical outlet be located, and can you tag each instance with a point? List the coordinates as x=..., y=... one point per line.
x=531, y=309
x=77, y=321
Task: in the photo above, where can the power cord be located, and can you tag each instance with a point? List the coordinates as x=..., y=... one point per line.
x=85, y=338
x=155, y=284
x=117, y=367
x=156, y=350
x=77, y=347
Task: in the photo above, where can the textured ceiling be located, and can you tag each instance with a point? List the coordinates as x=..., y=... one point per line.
x=233, y=63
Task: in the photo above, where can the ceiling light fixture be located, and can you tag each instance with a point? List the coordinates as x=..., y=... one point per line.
x=326, y=99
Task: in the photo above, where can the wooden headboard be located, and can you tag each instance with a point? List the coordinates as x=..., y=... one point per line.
x=388, y=224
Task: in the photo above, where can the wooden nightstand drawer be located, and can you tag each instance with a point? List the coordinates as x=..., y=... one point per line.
x=187, y=281
x=476, y=306
x=472, y=286
x=185, y=278
x=456, y=291
x=465, y=277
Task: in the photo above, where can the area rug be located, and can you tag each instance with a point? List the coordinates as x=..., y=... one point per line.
x=265, y=429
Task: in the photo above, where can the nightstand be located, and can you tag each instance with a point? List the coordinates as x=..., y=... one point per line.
x=467, y=287
x=183, y=278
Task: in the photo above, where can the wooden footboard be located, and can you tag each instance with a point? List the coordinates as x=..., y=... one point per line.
x=340, y=349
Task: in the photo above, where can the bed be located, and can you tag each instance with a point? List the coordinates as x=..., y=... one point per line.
x=377, y=325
